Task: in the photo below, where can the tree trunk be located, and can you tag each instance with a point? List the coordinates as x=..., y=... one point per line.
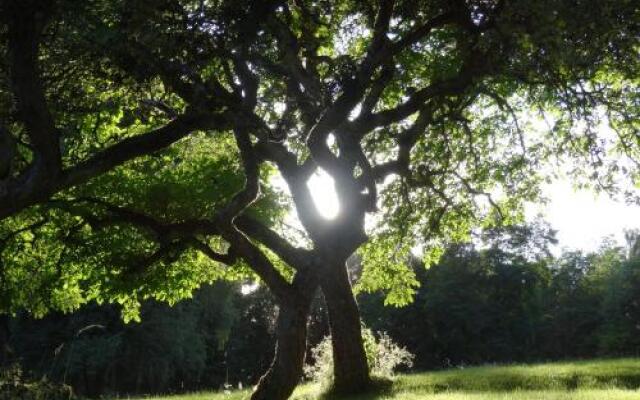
x=351, y=373
x=286, y=370
x=4, y=340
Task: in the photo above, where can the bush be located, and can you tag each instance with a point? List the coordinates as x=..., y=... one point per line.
x=384, y=356
x=13, y=386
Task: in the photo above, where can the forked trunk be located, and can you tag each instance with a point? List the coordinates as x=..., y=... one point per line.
x=351, y=372
x=286, y=369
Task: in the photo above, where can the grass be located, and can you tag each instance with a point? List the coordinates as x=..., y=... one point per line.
x=616, y=379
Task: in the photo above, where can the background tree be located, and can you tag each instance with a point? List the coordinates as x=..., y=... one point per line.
x=480, y=304
x=424, y=101
x=217, y=338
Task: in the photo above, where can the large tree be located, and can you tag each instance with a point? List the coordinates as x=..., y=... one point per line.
x=420, y=111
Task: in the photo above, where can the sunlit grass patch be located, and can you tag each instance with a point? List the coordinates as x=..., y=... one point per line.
x=619, y=373
x=236, y=395
x=616, y=379
x=603, y=394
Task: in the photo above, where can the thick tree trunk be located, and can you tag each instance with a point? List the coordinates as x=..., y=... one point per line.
x=286, y=370
x=351, y=372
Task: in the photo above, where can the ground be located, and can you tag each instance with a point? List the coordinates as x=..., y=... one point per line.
x=617, y=379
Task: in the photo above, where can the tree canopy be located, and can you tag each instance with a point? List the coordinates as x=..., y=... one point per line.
x=139, y=138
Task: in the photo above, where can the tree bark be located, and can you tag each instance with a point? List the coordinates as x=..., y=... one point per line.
x=286, y=369
x=351, y=372
x=4, y=340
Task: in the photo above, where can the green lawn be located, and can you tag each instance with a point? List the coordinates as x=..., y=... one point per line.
x=584, y=380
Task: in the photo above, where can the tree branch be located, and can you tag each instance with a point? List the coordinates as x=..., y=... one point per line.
x=296, y=177
x=421, y=32
x=140, y=145
x=296, y=258
x=26, y=21
x=228, y=259
x=406, y=141
x=31, y=187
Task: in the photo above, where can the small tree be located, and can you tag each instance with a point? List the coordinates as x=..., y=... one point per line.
x=415, y=108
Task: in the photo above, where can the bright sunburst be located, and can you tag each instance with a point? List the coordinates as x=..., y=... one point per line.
x=324, y=194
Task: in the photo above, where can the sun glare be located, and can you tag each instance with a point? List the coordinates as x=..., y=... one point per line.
x=248, y=288
x=324, y=194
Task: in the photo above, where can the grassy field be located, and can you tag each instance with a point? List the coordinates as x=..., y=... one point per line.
x=584, y=380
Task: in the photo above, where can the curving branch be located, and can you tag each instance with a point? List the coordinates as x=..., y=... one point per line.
x=295, y=257
x=225, y=219
x=36, y=185
x=290, y=50
x=228, y=258
x=176, y=237
x=406, y=141
x=46, y=175
x=296, y=176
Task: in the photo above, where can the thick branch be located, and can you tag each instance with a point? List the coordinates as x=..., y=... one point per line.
x=258, y=262
x=421, y=32
x=26, y=21
x=228, y=259
x=295, y=257
x=140, y=145
x=31, y=187
x=296, y=177
x=413, y=104
x=175, y=237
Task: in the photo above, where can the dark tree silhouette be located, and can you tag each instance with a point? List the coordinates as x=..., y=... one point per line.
x=415, y=108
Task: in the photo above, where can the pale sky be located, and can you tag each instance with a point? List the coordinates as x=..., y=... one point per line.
x=583, y=218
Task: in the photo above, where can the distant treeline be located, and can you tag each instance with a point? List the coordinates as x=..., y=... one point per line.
x=504, y=300
x=483, y=306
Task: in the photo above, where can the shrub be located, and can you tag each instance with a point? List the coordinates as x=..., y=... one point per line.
x=384, y=356
x=13, y=386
